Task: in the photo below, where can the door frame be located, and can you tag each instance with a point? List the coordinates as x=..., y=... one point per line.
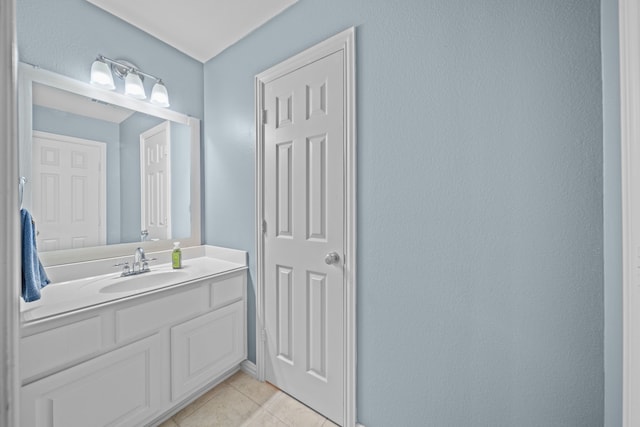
x=344, y=42
x=10, y=226
x=629, y=15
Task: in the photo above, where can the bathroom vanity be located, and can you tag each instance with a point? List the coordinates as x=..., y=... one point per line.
x=99, y=349
x=130, y=351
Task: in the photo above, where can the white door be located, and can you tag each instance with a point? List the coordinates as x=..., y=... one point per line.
x=155, y=172
x=69, y=191
x=304, y=215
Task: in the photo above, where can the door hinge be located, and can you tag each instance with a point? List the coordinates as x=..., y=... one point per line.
x=264, y=227
x=263, y=335
x=264, y=117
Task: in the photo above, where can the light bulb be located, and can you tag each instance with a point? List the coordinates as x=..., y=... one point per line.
x=159, y=95
x=101, y=75
x=133, y=86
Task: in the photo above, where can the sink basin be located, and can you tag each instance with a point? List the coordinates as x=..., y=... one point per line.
x=139, y=282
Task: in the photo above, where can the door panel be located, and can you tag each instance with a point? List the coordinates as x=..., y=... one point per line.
x=69, y=191
x=304, y=212
x=155, y=168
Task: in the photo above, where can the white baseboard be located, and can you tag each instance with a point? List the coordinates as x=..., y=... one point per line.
x=359, y=425
x=249, y=368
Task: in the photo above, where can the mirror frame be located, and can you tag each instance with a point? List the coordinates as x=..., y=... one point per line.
x=29, y=74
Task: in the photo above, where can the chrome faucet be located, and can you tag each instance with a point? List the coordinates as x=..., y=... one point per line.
x=140, y=264
x=139, y=260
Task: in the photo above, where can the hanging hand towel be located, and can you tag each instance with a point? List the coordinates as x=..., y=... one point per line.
x=34, y=277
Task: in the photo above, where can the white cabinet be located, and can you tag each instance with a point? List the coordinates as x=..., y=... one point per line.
x=140, y=319
x=118, y=388
x=63, y=345
x=132, y=362
x=195, y=357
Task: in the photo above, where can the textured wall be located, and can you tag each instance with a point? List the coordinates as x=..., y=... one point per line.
x=480, y=176
x=65, y=36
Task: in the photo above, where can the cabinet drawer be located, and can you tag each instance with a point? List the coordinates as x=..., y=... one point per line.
x=227, y=290
x=59, y=347
x=204, y=347
x=140, y=319
x=119, y=388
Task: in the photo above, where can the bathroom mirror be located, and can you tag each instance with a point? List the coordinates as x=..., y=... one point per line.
x=105, y=173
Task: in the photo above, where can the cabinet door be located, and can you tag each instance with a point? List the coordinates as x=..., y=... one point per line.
x=120, y=388
x=59, y=347
x=205, y=347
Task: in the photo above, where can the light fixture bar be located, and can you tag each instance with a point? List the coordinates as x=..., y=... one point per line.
x=128, y=67
x=102, y=76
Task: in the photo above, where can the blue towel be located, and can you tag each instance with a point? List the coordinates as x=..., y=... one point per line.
x=34, y=277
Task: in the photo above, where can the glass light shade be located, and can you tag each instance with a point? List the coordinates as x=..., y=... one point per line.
x=133, y=86
x=159, y=95
x=101, y=75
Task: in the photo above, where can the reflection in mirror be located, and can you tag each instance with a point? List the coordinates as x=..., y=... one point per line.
x=89, y=160
x=102, y=173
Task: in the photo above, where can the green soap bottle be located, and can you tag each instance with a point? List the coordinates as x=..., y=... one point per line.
x=176, y=256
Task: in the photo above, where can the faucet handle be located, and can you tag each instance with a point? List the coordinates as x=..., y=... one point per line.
x=125, y=267
x=145, y=264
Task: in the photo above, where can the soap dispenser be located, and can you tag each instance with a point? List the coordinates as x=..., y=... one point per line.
x=176, y=256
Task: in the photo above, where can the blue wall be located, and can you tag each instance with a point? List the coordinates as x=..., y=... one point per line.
x=612, y=201
x=480, y=174
x=65, y=36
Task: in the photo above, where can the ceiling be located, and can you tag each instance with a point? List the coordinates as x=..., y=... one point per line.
x=199, y=28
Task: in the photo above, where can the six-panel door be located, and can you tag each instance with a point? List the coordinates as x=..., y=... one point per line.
x=304, y=211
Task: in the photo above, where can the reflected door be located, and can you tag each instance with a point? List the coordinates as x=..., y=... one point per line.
x=69, y=191
x=304, y=241
x=155, y=170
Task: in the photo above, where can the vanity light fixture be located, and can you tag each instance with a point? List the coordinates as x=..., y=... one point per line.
x=133, y=77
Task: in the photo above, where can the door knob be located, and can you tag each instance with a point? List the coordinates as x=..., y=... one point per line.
x=332, y=258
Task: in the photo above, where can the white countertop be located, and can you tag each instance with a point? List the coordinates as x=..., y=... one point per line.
x=61, y=298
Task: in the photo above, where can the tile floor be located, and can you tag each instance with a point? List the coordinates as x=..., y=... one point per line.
x=243, y=401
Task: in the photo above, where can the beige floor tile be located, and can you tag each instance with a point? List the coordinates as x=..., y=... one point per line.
x=262, y=418
x=229, y=408
x=293, y=412
x=329, y=423
x=190, y=409
x=255, y=390
x=168, y=423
